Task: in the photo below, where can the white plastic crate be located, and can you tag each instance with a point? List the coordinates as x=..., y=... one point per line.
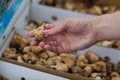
x=35, y=12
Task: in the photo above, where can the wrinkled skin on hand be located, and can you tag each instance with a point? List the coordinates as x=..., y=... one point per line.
x=68, y=35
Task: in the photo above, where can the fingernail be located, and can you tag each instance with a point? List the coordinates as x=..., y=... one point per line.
x=31, y=33
x=46, y=31
x=33, y=43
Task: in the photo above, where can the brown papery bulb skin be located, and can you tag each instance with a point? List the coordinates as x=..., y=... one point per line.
x=92, y=57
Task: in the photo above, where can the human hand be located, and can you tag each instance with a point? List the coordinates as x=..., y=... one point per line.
x=68, y=35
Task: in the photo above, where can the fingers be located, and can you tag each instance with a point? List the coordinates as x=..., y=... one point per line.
x=47, y=47
x=53, y=25
x=42, y=44
x=33, y=43
x=49, y=41
x=54, y=28
x=51, y=46
x=31, y=33
x=51, y=29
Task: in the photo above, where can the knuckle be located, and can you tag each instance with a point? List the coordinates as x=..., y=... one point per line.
x=67, y=20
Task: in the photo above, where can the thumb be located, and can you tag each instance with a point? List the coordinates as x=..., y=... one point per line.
x=54, y=30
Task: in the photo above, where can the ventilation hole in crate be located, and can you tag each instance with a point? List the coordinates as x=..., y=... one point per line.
x=54, y=17
x=4, y=37
x=26, y=19
x=22, y=78
x=12, y=28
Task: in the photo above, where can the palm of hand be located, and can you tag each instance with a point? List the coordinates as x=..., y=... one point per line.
x=70, y=41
